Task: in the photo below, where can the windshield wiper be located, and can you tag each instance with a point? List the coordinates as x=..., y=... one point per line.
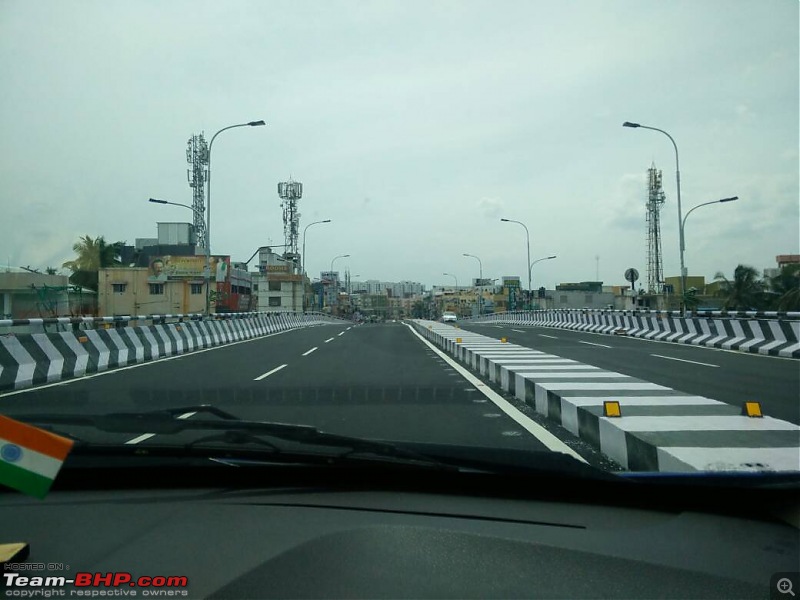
x=231, y=430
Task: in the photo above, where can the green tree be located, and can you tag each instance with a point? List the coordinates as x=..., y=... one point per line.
x=785, y=288
x=690, y=299
x=745, y=292
x=92, y=255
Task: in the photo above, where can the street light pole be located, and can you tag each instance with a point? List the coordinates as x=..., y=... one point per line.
x=208, y=208
x=479, y=289
x=458, y=294
x=157, y=201
x=683, y=229
x=538, y=260
x=528, y=239
x=335, y=258
x=303, y=257
x=678, y=184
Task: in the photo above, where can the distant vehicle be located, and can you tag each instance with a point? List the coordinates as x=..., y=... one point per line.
x=449, y=317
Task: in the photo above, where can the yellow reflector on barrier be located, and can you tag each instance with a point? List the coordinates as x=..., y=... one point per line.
x=83, y=339
x=503, y=340
x=458, y=340
x=752, y=409
x=611, y=408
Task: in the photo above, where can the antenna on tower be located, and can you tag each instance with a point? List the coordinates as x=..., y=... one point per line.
x=290, y=192
x=197, y=157
x=655, y=260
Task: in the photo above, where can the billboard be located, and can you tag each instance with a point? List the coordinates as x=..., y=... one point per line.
x=168, y=268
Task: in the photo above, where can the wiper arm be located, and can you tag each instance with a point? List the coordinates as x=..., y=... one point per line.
x=232, y=429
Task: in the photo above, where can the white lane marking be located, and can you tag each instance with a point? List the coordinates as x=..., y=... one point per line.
x=694, y=362
x=147, y=436
x=348, y=329
x=540, y=433
x=342, y=332
x=310, y=351
x=518, y=330
x=741, y=353
x=593, y=344
x=268, y=373
x=552, y=337
x=329, y=340
x=142, y=364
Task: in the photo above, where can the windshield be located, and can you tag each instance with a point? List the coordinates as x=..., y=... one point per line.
x=476, y=233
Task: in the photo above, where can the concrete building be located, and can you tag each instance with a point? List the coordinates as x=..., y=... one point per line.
x=277, y=286
x=25, y=294
x=136, y=291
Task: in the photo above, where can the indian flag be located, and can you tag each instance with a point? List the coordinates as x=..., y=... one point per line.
x=30, y=457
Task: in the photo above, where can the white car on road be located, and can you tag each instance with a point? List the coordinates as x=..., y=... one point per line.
x=449, y=317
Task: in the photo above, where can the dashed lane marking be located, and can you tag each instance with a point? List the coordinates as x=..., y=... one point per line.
x=268, y=373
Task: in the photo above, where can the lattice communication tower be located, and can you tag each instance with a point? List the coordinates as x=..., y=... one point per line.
x=290, y=192
x=197, y=173
x=655, y=260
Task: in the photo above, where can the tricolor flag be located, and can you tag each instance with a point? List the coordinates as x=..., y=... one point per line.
x=30, y=458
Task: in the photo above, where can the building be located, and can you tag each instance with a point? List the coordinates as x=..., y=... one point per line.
x=29, y=294
x=782, y=260
x=138, y=291
x=277, y=285
x=167, y=274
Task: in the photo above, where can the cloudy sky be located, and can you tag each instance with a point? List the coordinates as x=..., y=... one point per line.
x=413, y=125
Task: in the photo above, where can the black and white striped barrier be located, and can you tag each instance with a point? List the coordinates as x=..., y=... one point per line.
x=36, y=358
x=660, y=429
x=746, y=332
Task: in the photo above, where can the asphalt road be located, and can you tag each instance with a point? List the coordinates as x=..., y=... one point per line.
x=372, y=381
x=727, y=376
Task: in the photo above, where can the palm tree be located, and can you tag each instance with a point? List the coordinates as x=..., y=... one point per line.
x=92, y=255
x=745, y=292
x=785, y=288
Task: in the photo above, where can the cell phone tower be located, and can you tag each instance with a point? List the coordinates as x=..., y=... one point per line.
x=655, y=260
x=197, y=157
x=290, y=192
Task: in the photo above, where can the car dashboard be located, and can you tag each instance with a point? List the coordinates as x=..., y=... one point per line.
x=407, y=536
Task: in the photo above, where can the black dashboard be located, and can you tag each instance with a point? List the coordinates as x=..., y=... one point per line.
x=305, y=533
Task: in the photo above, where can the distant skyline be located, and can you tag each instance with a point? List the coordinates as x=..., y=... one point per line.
x=414, y=126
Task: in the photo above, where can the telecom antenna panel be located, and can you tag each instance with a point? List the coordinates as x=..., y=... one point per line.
x=655, y=260
x=197, y=173
x=290, y=192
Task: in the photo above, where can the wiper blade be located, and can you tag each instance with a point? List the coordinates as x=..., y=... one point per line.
x=232, y=430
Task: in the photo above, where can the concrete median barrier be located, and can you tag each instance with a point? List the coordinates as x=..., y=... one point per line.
x=661, y=429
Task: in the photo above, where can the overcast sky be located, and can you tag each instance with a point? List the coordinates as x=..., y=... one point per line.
x=413, y=125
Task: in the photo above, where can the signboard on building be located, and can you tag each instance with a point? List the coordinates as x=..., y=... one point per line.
x=163, y=268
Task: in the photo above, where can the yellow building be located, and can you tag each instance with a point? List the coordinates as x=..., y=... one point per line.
x=132, y=291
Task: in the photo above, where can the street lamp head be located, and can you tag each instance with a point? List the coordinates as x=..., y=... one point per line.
x=256, y=123
x=730, y=199
x=504, y=220
x=157, y=201
x=629, y=124
x=326, y=221
x=549, y=257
